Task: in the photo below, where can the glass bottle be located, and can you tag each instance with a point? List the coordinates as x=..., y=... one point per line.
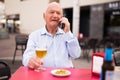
x=108, y=62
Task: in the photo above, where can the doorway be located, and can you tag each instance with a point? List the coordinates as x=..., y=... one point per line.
x=84, y=20
x=68, y=12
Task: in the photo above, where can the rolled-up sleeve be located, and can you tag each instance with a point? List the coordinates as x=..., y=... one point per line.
x=72, y=45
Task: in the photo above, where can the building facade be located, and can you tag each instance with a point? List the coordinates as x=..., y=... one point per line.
x=96, y=17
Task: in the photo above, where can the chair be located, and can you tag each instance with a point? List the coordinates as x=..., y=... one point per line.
x=83, y=45
x=117, y=56
x=116, y=42
x=92, y=44
x=103, y=42
x=21, y=42
x=5, y=72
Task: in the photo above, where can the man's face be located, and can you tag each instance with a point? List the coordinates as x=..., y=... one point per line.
x=53, y=15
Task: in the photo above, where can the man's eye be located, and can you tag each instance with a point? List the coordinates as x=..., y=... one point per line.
x=58, y=13
x=51, y=12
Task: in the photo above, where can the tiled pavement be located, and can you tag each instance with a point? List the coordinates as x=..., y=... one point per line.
x=7, y=47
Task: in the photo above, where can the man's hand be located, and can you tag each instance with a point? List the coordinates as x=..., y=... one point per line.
x=67, y=24
x=34, y=63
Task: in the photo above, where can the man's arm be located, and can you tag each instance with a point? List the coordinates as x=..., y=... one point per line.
x=72, y=45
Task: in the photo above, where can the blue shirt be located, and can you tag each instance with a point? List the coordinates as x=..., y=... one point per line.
x=61, y=48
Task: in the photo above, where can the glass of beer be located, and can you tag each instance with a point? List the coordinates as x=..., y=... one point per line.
x=41, y=53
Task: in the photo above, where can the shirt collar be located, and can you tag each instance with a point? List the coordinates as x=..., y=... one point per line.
x=44, y=31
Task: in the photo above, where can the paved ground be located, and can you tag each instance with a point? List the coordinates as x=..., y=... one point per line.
x=7, y=47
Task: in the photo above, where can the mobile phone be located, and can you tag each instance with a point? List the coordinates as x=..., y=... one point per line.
x=62, y=25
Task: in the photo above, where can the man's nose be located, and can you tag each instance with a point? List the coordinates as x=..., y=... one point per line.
x=55, y=14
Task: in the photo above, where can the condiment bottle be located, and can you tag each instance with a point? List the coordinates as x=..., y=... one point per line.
x=107, y=63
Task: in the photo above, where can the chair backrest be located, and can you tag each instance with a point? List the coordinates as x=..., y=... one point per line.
x=117, y=56
x=21, y=39
x=92, y=42
x=5, y=72
x=82, y=43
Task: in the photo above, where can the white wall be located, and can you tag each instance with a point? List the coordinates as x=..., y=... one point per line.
x=92, y=2
x=69, y=3
x=31, y=15
x=12, y=6
x=31, y=11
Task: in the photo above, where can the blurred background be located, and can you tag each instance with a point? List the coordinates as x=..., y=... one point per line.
x=90, y=19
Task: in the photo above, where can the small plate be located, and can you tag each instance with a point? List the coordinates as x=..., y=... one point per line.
x=60, y=72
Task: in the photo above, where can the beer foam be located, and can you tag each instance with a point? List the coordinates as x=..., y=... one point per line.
x=41, y=49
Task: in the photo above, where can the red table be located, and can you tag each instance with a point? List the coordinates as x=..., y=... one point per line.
x=24, y=73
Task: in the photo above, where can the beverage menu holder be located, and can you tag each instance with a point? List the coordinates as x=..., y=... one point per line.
x=97, y=61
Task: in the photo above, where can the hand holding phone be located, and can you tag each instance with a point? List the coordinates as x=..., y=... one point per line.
x=62, y=25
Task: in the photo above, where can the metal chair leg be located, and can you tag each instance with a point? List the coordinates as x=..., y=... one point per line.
x=14, y=56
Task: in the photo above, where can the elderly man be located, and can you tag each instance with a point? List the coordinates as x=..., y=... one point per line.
x=61, y=44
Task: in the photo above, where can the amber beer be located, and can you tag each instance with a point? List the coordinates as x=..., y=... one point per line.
x=41, y=53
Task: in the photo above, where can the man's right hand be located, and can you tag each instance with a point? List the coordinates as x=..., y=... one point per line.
x=34, y=63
